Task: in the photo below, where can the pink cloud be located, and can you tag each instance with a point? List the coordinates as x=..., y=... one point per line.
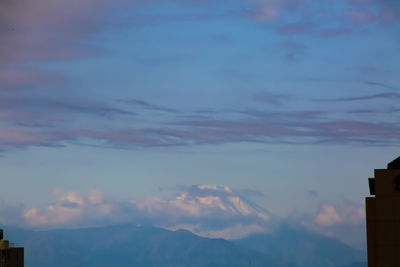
x=45, y=29
x=12, y=137
x=351, y=129
x=296, y=28
x=362, y=16
x=293, y=50
x=308, y=17
x=373, y=11
x=268, y=10
x=267, y=13
x=334, y=32
x=312, y=30
x=14, y=115
x=273, y=10
x=268, y=98
x=20, y=77
x=205, y=131
x=39, y=30
x=388, y=15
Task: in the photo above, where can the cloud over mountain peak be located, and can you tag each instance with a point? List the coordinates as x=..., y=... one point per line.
x=207, y=210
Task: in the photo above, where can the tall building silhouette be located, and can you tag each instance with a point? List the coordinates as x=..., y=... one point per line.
x=383, y=217
x=10, y=256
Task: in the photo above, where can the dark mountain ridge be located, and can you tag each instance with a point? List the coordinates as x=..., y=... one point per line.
x=303, y=248
x=129, y=245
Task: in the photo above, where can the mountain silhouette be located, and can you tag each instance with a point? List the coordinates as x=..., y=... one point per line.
x=130, y=245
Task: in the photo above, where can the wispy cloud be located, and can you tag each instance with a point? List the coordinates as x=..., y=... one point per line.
x=389, y=110
x=312, y=30
x=44, y=30
x=38, y=30
x=367, y=12
x=270, y=98
x=23, y=126
x=392, y=96
x=26, y=78
x=45, y=110
x=380, y=84
x=149, y=106
x=296, y=17
x=293, y=50
x=11, y=138
x=47, y=30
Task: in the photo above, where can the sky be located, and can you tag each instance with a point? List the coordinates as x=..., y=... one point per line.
x=225, y=118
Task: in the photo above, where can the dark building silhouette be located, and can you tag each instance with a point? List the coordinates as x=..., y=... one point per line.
x=10, y=256
x=383, y=217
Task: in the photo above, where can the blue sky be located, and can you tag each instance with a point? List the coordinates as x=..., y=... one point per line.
x=291, y=104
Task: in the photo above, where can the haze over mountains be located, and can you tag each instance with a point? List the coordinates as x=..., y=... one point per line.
x=215, y=226
x=205, y=210
x=130, y=245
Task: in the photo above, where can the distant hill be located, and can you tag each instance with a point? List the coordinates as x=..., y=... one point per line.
x=357, y=264
x=303, y=248
x=128, y=245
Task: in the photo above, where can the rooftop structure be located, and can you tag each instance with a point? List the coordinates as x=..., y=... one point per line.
x=383, y=217
x=10, y=256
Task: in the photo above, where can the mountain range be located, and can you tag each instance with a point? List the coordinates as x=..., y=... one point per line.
x=131, y=245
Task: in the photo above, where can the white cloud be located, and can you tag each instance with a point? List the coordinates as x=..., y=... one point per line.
x=327, y=216
x=72, y=209
x=207, y=210
x=350, y=213
x=344, y=222
x=231, y=232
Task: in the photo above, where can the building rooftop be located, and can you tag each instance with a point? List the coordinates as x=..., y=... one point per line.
x=394, y=165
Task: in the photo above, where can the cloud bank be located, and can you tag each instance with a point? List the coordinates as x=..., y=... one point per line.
x=207, y=210
x=52, y=31
x=28, y=122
